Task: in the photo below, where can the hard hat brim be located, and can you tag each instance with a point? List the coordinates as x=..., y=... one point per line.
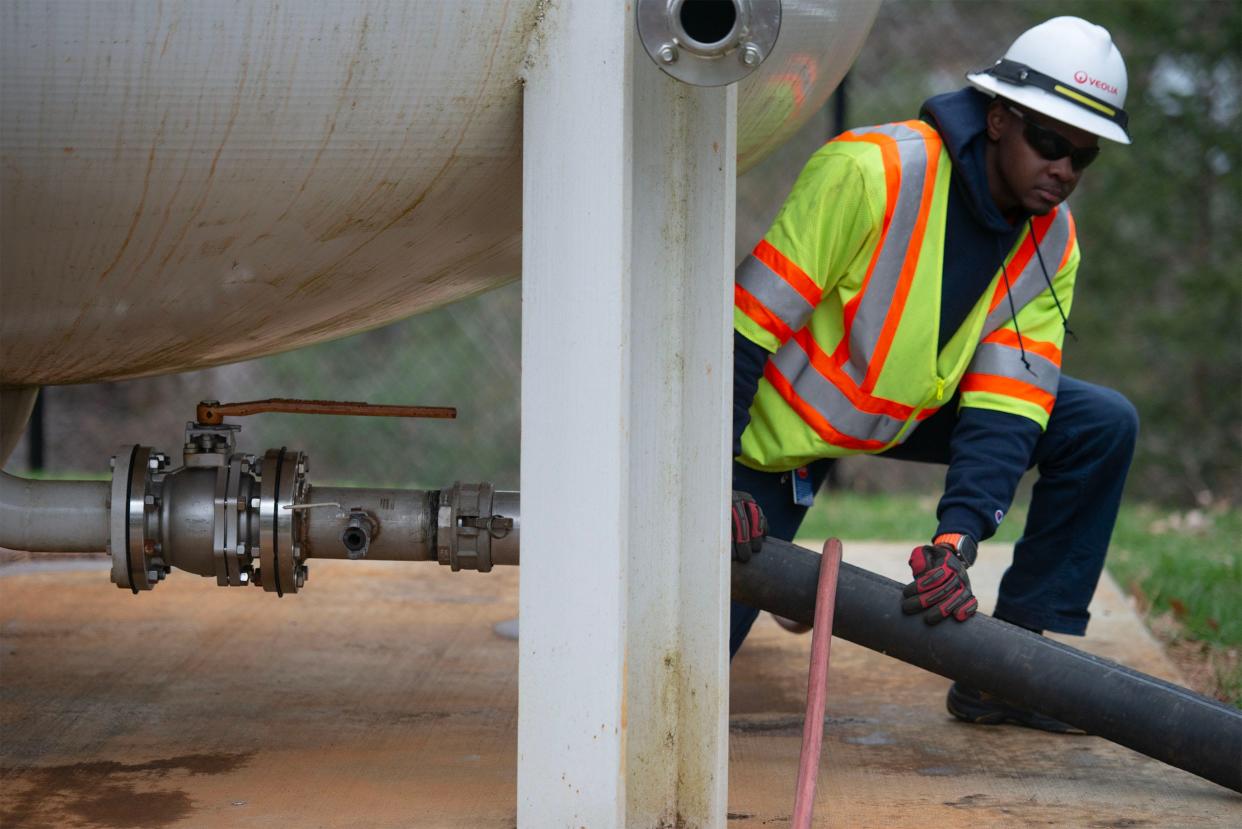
x=1037, y=100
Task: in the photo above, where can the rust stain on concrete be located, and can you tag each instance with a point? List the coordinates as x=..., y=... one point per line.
x=107, y=793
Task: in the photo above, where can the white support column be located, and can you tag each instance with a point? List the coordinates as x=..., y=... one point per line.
x=628, y=216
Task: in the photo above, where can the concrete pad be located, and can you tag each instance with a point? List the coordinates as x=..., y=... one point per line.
x=377, y=697
x=381, y=697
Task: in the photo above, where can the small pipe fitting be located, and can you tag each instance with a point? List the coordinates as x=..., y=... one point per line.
x=358, y=533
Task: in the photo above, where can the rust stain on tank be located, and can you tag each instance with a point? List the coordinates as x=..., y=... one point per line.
x=215, y=247
x=211, y=171
x=142, y=202
x=359, y=50
x=165, y=215
x=480, y=103
x=172, y=30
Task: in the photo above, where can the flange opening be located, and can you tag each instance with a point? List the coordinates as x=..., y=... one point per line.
x=708, y=25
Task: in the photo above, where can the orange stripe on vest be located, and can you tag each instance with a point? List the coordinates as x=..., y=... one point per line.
x=1009, y=388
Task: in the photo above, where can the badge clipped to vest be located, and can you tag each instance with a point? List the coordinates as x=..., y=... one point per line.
x=803, y=492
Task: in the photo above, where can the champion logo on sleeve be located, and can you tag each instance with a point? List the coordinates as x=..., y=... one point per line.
x=999, y=516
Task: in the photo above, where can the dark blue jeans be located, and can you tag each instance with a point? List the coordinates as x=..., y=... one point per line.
x=1082, y=457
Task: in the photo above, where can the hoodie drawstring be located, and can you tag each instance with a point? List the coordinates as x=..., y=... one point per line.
x=1064, y=321
x=1013, y=315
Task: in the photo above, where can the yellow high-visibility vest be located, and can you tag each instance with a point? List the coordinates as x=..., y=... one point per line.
x=844, y=290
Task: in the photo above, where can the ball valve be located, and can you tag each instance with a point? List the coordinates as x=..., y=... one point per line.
x=243, y=519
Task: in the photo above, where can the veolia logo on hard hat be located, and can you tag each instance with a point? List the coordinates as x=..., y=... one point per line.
x=1083, y=78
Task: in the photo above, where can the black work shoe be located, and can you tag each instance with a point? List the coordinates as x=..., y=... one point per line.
x=972, y=706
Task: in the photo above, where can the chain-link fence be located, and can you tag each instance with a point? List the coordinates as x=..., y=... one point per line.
x=467, y=355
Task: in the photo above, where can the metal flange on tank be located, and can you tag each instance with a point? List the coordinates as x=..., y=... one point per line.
x=709, y=42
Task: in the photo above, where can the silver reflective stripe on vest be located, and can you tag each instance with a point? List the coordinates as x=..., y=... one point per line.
x=1004, y=361
x=1030, y=283
x=820, y=394
x=873, y=308
x=777, y=295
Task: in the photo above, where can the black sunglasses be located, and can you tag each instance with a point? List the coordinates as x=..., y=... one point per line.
x=1051, y=145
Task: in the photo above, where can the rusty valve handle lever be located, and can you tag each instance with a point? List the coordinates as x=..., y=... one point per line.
x=212, y=413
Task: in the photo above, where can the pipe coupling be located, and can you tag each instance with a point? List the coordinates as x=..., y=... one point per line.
x=476, y=527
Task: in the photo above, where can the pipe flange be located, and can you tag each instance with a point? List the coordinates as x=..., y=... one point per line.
x=709, y=42
x=134, y=516
x=280, y=528
x=232, y=538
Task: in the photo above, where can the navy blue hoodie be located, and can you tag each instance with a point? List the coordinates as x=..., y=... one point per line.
x=988, y=450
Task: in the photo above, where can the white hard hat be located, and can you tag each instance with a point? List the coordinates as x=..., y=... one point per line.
x=1067, y=69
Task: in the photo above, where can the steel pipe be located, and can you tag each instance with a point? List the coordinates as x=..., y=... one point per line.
x=1151, y=716
x=53, y=516
x=403, y=524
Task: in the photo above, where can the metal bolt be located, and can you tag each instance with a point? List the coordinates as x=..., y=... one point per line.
x=244, y=577
x=153, y=575
x=112, y=462
x=667, y=53
x=241, y=549
x=152, y=463
x=751, y=55
x=254, y=503
x=149, y=500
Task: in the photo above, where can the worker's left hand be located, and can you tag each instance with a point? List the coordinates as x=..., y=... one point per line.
x=941, y=587
x=749, y=526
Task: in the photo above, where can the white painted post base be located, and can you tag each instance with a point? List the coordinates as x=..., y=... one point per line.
x=628, y=218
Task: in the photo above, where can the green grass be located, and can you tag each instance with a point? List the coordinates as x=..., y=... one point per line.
x=1185, y=564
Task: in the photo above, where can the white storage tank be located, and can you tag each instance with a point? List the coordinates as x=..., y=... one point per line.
x=187, y=184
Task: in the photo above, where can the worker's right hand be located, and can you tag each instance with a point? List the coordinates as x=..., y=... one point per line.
x=941, y=587
x=749, y=526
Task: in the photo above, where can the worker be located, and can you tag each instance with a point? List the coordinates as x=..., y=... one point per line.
x=910, y=301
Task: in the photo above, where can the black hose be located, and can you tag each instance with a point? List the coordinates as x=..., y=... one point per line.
x=1151, y=716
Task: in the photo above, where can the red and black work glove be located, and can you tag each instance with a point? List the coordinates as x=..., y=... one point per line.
x=749, y=526
x=941, y=588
